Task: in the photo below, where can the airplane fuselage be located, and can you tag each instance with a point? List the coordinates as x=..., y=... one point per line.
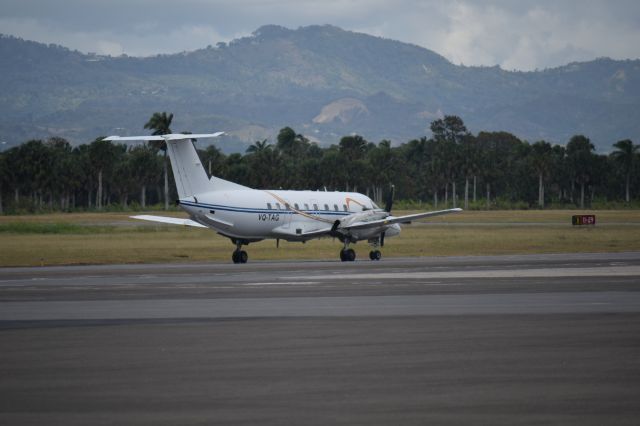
x=253, y=215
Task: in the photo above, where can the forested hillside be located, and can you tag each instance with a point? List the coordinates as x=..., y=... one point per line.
x=323, y=81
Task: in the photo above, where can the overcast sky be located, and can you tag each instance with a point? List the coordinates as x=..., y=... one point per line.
x=512, y=34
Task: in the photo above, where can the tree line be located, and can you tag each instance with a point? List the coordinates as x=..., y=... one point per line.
x=452, y=168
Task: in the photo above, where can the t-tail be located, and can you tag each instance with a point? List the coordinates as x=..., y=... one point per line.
x=189, y=174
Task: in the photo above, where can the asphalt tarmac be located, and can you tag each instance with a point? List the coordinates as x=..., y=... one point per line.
x=456, y=340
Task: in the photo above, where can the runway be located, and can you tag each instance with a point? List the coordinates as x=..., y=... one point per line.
x=457, y=340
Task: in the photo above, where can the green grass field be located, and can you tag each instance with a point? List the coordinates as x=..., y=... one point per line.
x=101, y=238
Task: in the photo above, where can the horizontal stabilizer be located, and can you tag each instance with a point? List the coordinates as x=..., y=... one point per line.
x=169, y=137
x=169, y=220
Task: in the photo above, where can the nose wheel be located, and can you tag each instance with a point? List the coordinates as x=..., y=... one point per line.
x=347, y=255
x=375, y=255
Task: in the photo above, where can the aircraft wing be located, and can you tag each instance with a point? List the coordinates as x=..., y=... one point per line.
x=170, y=220
x=400, y=219
x=293, y=232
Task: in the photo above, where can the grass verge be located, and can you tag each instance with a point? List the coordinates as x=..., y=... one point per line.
x=113, y=238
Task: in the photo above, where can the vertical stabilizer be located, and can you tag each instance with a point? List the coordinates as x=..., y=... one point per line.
x=190, y=177
x=188, y=172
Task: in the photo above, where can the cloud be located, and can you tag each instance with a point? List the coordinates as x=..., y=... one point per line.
x=514, y=35
x=145, y=40
x=534, y=34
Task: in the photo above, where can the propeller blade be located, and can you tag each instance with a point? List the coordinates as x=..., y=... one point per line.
x=389, y=203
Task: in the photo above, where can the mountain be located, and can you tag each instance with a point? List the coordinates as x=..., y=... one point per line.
x=321, y=80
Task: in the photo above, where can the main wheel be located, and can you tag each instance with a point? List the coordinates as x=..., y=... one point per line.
x=235, y=257
x=243, y=256
x=343, y=255
x=350, y=254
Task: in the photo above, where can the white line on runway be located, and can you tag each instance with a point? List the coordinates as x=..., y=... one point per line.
x=606, y=271
x=280, y=283
x=349, y=306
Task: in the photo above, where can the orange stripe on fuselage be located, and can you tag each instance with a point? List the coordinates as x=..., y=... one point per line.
x=307, y=215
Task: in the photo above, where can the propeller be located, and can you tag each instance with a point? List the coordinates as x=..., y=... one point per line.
x=387, y=208
x=334, y=228
x=389, y=203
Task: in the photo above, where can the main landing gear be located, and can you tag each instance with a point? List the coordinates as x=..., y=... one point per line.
x=375, y=255
x=347, y=255
x=239, y=256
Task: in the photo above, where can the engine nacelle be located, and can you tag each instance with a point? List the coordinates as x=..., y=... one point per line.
x=365, y=216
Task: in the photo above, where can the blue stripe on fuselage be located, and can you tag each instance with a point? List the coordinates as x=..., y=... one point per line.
x=252, y=210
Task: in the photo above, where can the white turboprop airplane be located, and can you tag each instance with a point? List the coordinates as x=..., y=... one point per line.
x=246, y=215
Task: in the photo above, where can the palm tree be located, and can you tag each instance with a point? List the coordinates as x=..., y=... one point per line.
x=449, y=133
x=215, y=159
x=4, y=176
x=102, y=155
x=625, y=155
x=581, y=161
x=160, y=122
x=541, y=161
x=258, y=146
x=144, y=167
x=469, y=163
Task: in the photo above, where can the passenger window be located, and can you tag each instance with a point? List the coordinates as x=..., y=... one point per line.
x=335, y=207
x=315, y=207
x=306, y=206
x=344, y=207
x=297, y=207
x=326, y=207
x=287, y=206
x=269, y=206
x=278, y=206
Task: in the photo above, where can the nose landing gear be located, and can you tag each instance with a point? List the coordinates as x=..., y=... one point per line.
x=375, y=254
